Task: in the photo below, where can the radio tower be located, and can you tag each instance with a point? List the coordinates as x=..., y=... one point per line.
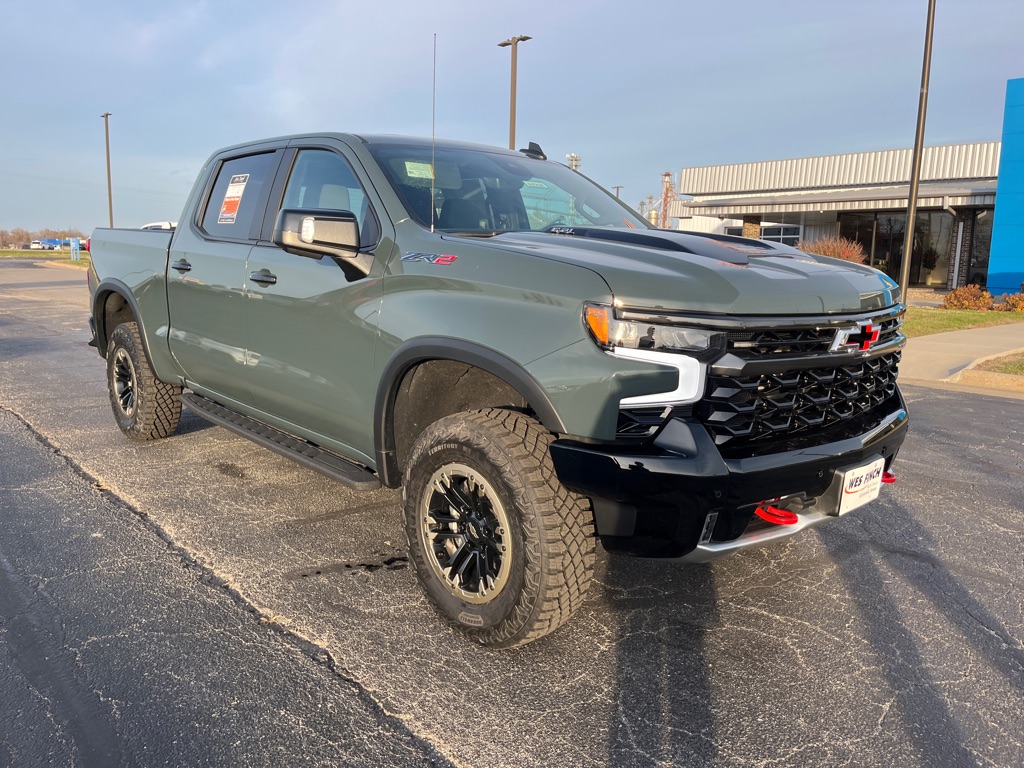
x=667, y=195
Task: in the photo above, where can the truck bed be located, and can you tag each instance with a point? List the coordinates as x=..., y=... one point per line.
x=133, y=254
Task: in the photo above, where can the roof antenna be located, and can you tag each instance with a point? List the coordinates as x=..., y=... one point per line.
x=535, y=151
x=433, y=125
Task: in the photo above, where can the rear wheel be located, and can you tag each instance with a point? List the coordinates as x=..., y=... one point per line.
x=144, y=407
x=501, y=548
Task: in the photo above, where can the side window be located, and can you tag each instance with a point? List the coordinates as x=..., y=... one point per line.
x=322, y=180
x=235, y=196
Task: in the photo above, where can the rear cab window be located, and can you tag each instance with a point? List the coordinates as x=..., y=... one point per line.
x=238, y=196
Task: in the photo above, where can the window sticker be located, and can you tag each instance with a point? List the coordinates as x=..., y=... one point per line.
x=232, y=198
x=416, y=170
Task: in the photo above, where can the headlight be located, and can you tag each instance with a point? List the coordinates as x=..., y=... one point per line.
x=610, y=333
x=680, y=347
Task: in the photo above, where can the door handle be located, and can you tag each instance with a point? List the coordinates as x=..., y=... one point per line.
x=263, y=278
x=181, y=265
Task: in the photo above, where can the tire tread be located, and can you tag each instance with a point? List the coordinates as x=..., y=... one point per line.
x=158, y=408
x=560, y=566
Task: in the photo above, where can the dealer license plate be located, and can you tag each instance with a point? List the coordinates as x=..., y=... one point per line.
x=861, y=485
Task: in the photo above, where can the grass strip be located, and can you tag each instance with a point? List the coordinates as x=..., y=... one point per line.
x=1011, y=364
x=923, y=321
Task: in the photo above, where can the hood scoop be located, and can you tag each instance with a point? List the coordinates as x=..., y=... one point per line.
x=732, y=250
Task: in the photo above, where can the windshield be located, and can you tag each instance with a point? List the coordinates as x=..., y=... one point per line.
x=482, y=192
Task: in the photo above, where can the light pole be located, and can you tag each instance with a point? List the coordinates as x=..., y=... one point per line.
x=514, y=42
x=110, y=192
x=915, y=163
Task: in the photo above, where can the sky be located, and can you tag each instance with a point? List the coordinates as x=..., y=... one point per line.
x=635, y=90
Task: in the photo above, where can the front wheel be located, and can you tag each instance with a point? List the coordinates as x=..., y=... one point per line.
x=145, y=408
x=500, y=547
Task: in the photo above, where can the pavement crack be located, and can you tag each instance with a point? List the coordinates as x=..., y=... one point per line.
x=207, y=575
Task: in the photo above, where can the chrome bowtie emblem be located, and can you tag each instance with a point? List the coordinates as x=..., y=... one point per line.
x=855, y=339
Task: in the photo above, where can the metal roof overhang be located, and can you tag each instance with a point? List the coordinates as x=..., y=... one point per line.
x=971, y=193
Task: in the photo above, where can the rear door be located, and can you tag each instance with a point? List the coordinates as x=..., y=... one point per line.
x=206, y=276
x=312, y=323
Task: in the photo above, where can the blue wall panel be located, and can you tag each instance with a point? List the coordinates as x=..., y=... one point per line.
x=1006, y=260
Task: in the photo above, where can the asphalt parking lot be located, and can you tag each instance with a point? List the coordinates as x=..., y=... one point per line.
x=202, y=601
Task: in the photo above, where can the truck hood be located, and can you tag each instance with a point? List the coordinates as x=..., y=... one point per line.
x=692, y=272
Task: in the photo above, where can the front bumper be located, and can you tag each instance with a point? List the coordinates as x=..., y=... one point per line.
x=678, y=498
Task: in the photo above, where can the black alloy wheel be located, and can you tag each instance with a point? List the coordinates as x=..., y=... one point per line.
x=125, y=382
x=465, y=528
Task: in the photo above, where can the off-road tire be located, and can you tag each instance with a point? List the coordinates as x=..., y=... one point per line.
x=546, y=551
x=145, y=408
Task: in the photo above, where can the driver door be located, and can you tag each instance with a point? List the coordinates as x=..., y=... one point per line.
x=312, y=323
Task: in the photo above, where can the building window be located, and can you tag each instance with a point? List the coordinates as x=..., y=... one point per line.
x=777, y=233
x=933, y=233
x=977, y=272
x=862, y=228
x=883, y=236
x=781, y=233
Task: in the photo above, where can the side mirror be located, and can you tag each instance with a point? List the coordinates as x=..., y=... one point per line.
x=314, y=232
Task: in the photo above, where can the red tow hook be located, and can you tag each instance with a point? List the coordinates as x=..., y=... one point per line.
x=888, y=477
x=776, y=515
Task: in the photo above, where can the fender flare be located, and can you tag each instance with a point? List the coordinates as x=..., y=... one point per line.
x=103, y=290
x=426, y=348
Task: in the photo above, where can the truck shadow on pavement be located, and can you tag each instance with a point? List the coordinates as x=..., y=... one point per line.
x=191, y=423
x=660, y=701
x=884, y=580
x=838, y=650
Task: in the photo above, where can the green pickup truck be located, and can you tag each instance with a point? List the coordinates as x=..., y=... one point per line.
x=533, y=363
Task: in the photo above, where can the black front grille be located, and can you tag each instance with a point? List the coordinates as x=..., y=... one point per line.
x=760, y=343
x=744, y=412
x=888, y=329
x=637, y=424
x=767, y=342
x=786, y=383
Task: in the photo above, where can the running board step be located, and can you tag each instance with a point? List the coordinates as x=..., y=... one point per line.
x=298, y=450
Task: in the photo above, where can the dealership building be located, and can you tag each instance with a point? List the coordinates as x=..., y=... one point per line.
x=969, y=226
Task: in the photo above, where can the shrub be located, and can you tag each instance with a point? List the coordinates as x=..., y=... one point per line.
x=1013, y=302
x=968, y=297
x=929, y=259
x=835, y=247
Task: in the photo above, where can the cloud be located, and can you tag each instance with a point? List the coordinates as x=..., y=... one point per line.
x=635, y=93
x=157, y=36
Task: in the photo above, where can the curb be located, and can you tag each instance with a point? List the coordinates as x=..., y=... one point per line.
x=990, y=389
x=989, y=379
x=60, y=265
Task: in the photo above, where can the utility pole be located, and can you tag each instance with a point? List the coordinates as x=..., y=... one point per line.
x=617, y=187
x=514, y=42
x=110, y=189
x=915, y=163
